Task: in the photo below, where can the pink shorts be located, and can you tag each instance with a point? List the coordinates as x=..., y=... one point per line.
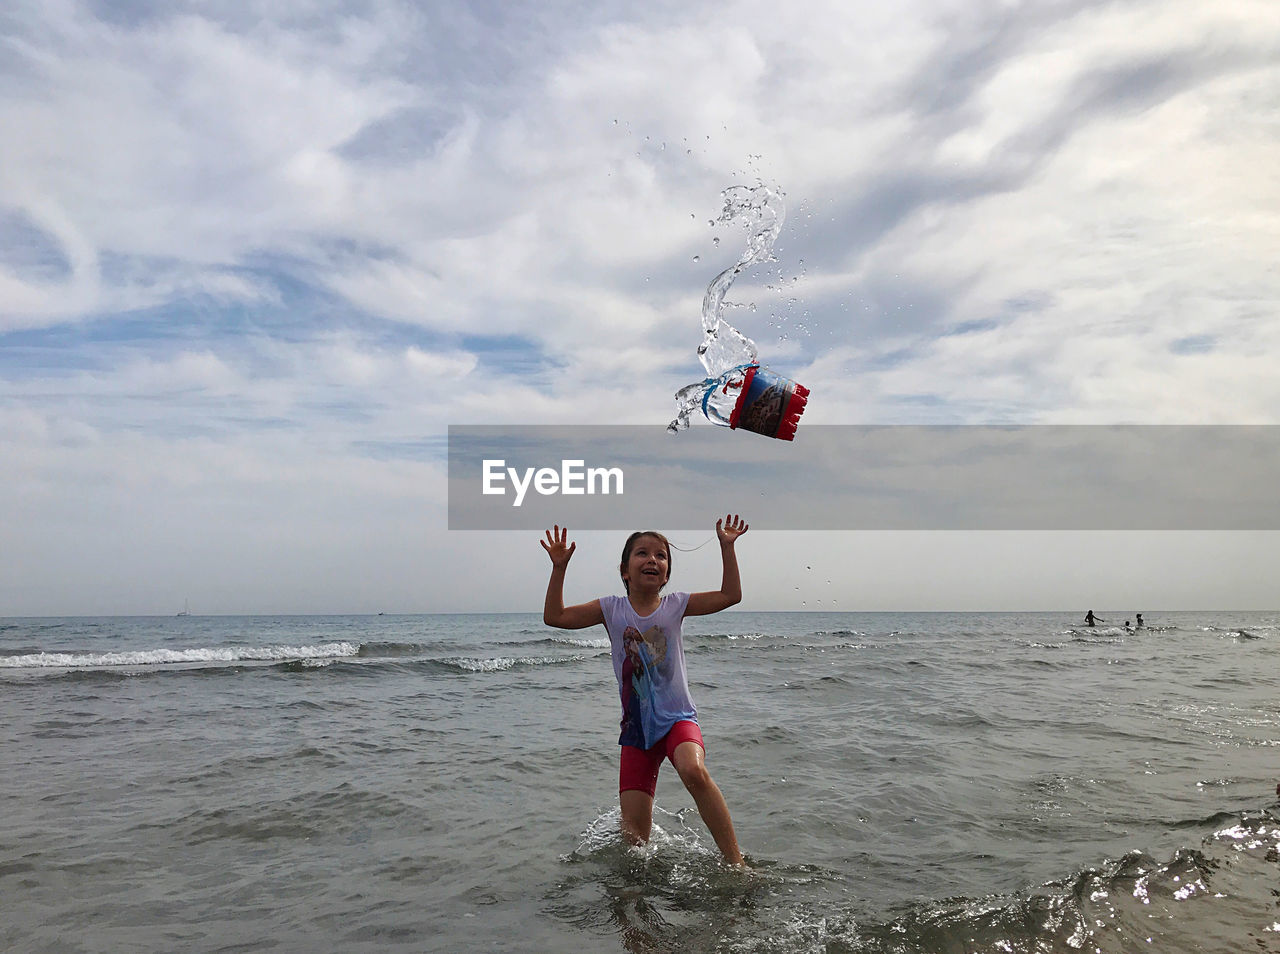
x=639, y=770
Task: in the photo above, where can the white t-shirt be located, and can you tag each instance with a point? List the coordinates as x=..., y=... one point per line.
x=648, y=661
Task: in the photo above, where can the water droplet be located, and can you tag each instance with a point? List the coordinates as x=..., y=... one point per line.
x=715, y=240
x=808, y=568
x=697, y=258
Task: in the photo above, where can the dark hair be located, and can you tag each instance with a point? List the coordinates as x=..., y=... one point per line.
x=630, y=545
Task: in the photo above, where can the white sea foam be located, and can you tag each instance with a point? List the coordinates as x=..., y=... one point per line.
x=677, y=839
x=602, y=643
x=501, y=663
x=160, y=657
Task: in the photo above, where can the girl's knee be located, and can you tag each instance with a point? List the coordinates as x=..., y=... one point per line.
x=695, y=776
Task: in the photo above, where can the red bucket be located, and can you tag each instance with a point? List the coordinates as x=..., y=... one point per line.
x=769, y=404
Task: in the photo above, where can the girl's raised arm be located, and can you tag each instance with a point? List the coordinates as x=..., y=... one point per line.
x=702, y=604
x=554, y=612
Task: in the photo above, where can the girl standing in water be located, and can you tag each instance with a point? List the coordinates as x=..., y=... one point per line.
x=659, y=719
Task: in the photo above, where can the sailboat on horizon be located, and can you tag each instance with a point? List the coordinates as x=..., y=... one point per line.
x=186, y=610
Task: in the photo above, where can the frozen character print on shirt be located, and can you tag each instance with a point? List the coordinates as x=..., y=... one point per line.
x=644, y=653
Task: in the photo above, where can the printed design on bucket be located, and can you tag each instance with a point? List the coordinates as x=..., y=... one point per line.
x=769, y=404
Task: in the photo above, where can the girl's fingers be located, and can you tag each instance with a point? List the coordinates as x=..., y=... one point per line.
x=557, y=542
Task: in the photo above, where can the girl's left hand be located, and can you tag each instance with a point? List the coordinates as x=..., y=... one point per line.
x=730, y=528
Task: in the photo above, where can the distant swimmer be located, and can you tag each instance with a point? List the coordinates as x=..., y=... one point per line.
x=1092, y=620
x=1126, y=625
x=1139, y=626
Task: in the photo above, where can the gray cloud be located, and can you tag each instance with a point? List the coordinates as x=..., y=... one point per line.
x=304, y=241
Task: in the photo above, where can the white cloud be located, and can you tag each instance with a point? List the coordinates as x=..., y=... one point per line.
x=311, y=238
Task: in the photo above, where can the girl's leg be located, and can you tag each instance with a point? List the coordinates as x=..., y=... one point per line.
x=637, y=815
x=637, y=780
x=688, y=760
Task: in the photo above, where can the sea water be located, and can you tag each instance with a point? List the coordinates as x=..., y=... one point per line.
x=904, y=783
x=724, y=351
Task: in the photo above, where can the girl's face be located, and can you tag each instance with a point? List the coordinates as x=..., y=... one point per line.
x=647, y=565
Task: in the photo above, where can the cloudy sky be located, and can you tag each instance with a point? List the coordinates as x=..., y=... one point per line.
x=254, y=263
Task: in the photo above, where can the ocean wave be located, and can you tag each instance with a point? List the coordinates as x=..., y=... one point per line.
x=832, y=647
x=601, y=643
x=18, y=651
x=385, y=649
x=471, y=664
x=1095, y=640
x=166, y=657
x=1134, y=902
x=582, y=642
x=1236, y=630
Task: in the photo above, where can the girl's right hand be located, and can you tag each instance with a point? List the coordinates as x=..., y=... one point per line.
x=558, y=547
x=730, y=528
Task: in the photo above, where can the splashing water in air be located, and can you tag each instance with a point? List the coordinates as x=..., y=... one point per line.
x=725, y=352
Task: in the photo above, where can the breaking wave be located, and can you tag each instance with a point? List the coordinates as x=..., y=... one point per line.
x=168, y=657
